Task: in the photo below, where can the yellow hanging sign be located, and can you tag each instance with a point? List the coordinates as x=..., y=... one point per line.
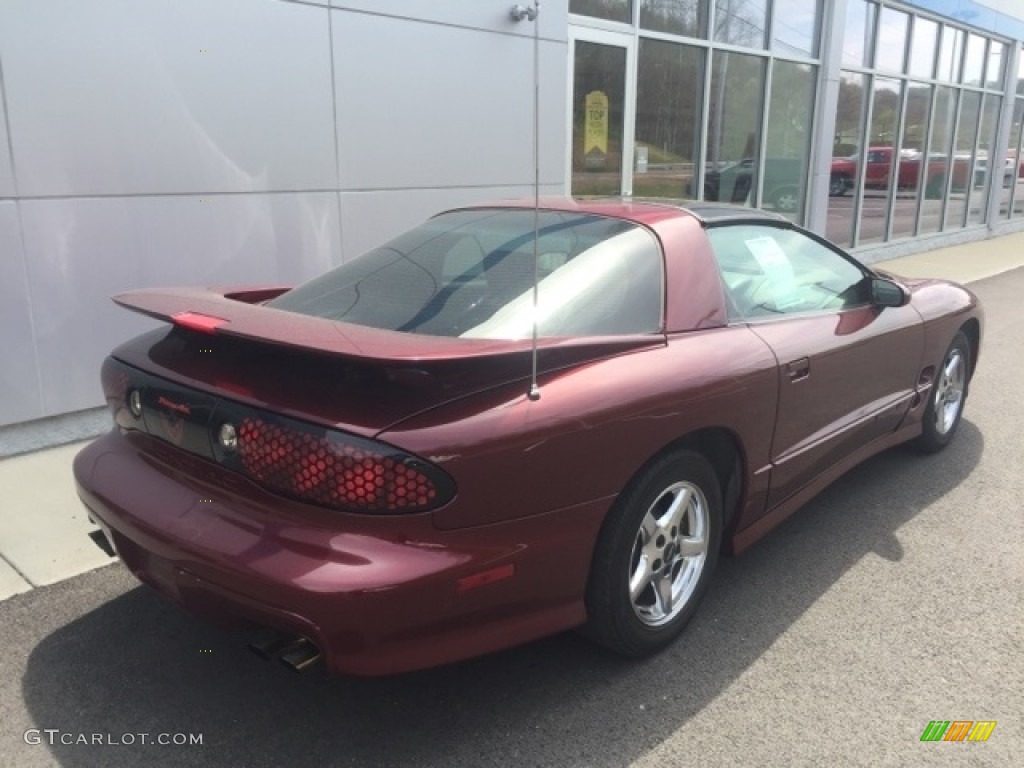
x=595, y=123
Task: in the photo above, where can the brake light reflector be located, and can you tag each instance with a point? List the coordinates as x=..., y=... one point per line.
x=337, y=470
x=197, y=321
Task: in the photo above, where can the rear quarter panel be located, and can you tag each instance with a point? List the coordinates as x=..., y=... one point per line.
x=595, y=426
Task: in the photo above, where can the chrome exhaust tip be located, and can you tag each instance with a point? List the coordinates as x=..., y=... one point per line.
x=301, y=657
x=295, y=652
x=273, y=644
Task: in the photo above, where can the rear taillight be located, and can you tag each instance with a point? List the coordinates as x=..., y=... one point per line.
x=336, y=469
x=285, y=456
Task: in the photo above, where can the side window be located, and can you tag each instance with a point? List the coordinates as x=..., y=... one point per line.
x=771, y=271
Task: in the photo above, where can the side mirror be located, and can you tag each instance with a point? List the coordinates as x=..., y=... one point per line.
x=888, y=293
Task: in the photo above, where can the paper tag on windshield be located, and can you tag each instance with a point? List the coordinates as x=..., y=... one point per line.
x=776, y=267
x=772, y=259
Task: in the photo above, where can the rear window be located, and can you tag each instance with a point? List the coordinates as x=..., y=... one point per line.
x=470, y=274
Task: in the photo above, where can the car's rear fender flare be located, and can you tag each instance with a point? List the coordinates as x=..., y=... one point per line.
x=724, y=450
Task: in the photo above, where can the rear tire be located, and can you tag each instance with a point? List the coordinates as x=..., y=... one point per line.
x=946, y=400
x=655, y=555
x=837, y=186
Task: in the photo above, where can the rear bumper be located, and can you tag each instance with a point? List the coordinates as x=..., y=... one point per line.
x=377, y=595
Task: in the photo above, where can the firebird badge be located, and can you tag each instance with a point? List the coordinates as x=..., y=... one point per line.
x=173, y=421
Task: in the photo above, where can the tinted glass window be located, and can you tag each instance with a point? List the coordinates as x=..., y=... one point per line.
x=892, y=40
x=795, y=27
x=769, y=272
x=737, y=84
x=974, y=60
x=788, y=138
x=922, y=47
x=680, y=17
x=616, y=10
x=668, y=118
x=951, y=52
x=741, y=22
x=858, y=32
x=470, y=274
x=994, y=69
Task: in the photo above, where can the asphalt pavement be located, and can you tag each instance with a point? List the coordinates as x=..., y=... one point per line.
x=892, y=600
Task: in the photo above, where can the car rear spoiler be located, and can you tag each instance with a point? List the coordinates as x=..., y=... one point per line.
x=240, y=313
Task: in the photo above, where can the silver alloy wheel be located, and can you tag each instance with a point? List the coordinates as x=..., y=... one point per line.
x=669, y=553
x=949, y=392
x=786, y=202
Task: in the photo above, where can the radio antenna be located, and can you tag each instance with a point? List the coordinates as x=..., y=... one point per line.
x=518, y=13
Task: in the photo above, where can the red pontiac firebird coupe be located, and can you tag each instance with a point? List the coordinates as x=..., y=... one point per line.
x=359, y=466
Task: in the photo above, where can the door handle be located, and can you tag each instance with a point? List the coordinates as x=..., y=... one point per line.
x=798, y=369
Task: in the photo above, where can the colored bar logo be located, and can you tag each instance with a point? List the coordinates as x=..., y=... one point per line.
x=958, y=730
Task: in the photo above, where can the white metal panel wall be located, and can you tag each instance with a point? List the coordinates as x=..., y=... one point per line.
x=220, y=141
x=20, y=396
x=6, y=172
x=80, y=251
x=116, y=97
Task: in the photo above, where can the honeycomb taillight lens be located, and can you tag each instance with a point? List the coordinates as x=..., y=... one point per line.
x=285, y=456
x=338, y=470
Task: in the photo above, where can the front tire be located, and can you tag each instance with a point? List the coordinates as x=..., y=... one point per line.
x=655, y=555
x=946, y=400
x=786, y=200
x=935, y=188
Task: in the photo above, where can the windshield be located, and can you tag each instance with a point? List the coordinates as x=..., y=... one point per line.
x=470, y=274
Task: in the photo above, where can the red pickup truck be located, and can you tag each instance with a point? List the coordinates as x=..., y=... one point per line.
x=879, y=171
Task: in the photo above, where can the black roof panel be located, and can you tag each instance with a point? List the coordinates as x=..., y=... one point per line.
x=706, y=211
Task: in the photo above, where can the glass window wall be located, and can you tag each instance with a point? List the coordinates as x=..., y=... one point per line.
x=599, y=97
x=613, y=10
x=859, y=33
x=846, y=157
x=978, y=191
x=1012, y=205
x=788, y=139
x=951, y=52
x=934, y=167
x=892, y=40
x=677, y=17
x=918, y=111
x=795, y=28
x=911, y=160
x=994, y=68
x=668, y=118
x=974, y=60
x=922, y=48
x=1013, y=198
x=881, y=166
x=737, y=85
x=741, y=22
x=960, y=172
